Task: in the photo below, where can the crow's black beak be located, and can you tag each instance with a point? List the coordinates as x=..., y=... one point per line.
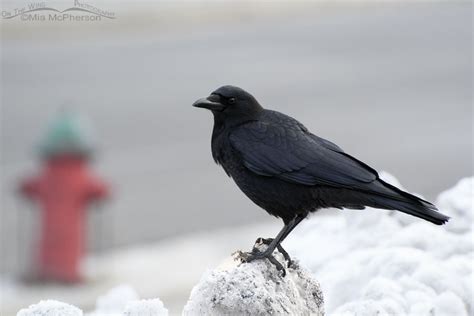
x=212, y=103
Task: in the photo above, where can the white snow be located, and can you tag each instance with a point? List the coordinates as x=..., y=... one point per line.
x=115, y=300
x=255, y=288
x=50, y=308
x=151, y=307
x=123, y=300
x=387, y=263
x=458, y=201
x=119, y=301
x=367, y=262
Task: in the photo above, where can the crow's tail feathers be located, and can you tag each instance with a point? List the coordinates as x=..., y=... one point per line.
x=391, y=197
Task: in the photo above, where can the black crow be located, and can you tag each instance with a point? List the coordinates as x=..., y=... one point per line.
x=290, y=172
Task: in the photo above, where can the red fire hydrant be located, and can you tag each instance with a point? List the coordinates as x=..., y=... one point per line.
x=63, y=189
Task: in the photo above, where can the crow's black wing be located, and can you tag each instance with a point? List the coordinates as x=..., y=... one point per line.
x=279, y=146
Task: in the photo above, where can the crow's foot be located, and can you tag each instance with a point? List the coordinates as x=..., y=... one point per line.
x=267, y=241
x=258, y=255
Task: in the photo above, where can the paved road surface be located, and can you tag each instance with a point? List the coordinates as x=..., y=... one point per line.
x=390, y=84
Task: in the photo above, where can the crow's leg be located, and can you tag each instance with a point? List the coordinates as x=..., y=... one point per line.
x=256, y=255
x=267, y=241
x=289, y=226
x=297, y=219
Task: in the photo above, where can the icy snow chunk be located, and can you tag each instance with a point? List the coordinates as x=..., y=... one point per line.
x=256, y=288
x=152, y=307
x=50, y=308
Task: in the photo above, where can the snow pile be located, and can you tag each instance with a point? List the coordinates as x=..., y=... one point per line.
x=50, y=308
x=152, y=307
x=380, y=262
x=256, y=288
x=115, y=300
x=123, y=300
x=459, y=202
x=369, y=262
x=119, y=301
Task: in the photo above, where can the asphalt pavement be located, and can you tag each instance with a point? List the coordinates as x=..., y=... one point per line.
x=391, y=84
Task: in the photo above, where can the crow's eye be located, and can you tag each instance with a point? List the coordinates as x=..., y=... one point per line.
x=231, y=101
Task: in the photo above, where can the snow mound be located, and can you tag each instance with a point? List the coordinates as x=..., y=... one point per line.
x=458, y=202
x=152, y=307
x=376, y=262
x=119, y=301
x=123, y=300
x=50, y=308
x=115, y=300
x=255, y=288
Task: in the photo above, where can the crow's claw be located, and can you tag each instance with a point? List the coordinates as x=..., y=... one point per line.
x=257, y=255
x=267, y=241
x=277, y=265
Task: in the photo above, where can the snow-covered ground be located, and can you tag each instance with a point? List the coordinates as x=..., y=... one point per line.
x=367, y=262
x=387, y=263
x=119, y=301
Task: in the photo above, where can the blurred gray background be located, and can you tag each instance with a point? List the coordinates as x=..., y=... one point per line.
x=391, y=83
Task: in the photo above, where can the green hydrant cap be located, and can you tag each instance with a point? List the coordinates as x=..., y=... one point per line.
x=68, y=134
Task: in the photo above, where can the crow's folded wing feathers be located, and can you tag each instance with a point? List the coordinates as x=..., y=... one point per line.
x=286, y=150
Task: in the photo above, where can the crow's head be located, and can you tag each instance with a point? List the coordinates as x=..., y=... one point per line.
x=230, y=102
